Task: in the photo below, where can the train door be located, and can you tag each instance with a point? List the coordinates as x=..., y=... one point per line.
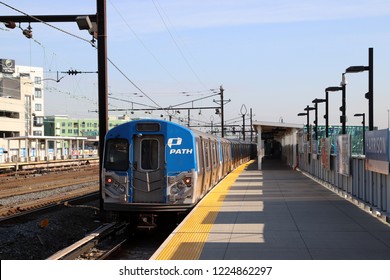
x=213, y=156
x=207, y=165
x=148, y=169
x=201, y=167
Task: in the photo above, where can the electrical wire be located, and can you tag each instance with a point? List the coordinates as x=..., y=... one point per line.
x=89, y=42
x=48, y=24
x=177, y=45
x=108, y=59
x=144, y=45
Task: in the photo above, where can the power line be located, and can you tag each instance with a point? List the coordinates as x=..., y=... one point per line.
x=144, y=46
x=48, y=24
x=177, y=45
x=85, y=40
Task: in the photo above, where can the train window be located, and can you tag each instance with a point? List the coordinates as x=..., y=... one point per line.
x=149, y=154
x=148, y=127
x=198, y=159
x=206, y=152
x=213, y=152
x=117, y=154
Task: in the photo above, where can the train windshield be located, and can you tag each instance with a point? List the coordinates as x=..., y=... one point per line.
x=117, y=154
x=149, y=154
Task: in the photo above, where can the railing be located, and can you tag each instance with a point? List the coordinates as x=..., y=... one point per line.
x=368, y=189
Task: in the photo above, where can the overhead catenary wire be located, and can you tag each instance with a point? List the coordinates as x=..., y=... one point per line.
x=145, y=46
x=48, y=24
x=89, y=42
x=177, y=45
x=95, y=47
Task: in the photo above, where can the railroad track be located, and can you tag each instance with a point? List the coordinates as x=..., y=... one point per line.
x=28, y=207
x=28, y=183
x=97, y=245
x=27, y=194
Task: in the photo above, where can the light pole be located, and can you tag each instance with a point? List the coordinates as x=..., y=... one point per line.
x=316, y=101
x=308, y=109
x=363, y=131
x=307, y=115
x=370, y=94
x=307, y=122
x=342, y=108
x=326, y=116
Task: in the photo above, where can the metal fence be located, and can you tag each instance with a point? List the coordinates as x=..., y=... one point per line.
x=368, y=189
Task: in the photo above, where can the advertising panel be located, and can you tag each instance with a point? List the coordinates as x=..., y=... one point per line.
x=7, y=66
x=343, y=154
x=314, y=148
x=377, y=151
x=325, y=153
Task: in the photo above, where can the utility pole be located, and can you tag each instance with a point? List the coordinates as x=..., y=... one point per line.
x=251, y=122
x=221, y=90
x=243, y=112
x=100, y=18
x=102, y=85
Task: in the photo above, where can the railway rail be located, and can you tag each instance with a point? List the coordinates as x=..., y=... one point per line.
x=36, y=207
x=97, y=245
x=25, y=194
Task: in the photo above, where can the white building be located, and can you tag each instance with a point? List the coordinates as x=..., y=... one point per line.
x=21, y=103
x=21, y=100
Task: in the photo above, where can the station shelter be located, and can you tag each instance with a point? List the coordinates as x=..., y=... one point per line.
x=277, y=140
x=44, y=148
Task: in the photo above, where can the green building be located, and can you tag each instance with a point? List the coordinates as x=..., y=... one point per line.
x=62, y=125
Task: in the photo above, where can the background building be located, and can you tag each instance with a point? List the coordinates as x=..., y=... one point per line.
x=21, y=100
x=62, y=125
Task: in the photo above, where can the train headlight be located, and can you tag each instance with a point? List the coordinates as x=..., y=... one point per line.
x=187, y=181
x=114, y=185
x=109, y=180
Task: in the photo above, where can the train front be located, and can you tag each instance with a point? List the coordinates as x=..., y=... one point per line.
x=149, y=167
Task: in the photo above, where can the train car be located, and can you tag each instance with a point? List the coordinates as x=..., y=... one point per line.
x=152, y=167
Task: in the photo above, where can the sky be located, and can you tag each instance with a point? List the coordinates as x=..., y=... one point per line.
x=273, y=57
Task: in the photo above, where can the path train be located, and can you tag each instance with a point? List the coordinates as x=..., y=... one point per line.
x=152, y=167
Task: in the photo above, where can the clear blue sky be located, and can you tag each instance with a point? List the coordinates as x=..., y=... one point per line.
x=273, y=56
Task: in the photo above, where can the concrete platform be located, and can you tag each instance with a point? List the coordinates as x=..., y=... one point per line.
x=276, y=214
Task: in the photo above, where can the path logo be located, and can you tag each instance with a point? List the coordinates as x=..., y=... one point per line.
x=177, y=142
x=174, y=142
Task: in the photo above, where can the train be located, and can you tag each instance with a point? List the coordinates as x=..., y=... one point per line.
x=151, y=167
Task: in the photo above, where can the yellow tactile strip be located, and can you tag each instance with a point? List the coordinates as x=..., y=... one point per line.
x=189, y=238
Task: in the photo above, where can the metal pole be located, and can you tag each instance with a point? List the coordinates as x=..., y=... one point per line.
x=364, y=134
x=316, y=121
x=251, y=123
x=307, y=126
x=102, y=86
x=222, y=113
x=243, y=127
x=327, y=114
x=371, y=89
x=343, y=110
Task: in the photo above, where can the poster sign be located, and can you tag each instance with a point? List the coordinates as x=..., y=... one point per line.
x=314, y=148
x=377, y=151
x=7, y=66
x=325, y=153
x=343, y=154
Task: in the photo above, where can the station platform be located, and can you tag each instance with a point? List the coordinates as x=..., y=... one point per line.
x=275, y=213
